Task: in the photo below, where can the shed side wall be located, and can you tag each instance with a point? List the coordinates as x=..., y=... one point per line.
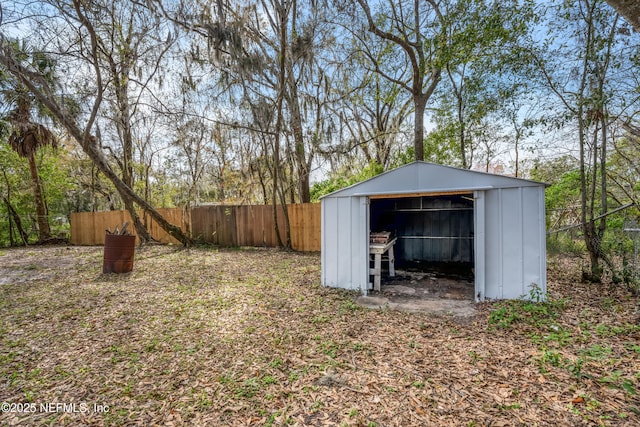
x=515, y=252
x=344, y=243
x=535, y=243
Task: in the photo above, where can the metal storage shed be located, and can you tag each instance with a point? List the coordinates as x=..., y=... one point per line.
x=494, y=223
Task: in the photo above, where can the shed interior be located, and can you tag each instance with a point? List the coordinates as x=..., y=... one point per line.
x=434, y=251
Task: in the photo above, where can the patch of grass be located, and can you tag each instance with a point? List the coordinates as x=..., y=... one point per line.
x=597, y=352
x=269, y=379
x=316, y=320
x=504, y=315
x=127, y=389
x=329, y=347
x=555, y=359
x=276, y=363
x=618, y=380
x=226, y=379
x=203, y=401
x=348, y=306
x=509, y=407
x=293, y=376
x=631, y=346
x=272, y=419
x=317, y=405
x=548, y=357
x=248, y=388
x=606, y=330
x=575, y=367
x=475, y=357
x=556, y=335
x=536, y=310
x=152, y=345
x=608, y=303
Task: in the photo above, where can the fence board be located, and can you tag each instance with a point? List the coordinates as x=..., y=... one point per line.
x=89, y=228
x=201, y=228
x=250, y=221
x=305, y=226
x=215, y=224
x=220, y=225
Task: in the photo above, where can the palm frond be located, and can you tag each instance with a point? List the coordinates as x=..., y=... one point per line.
x=27, y=138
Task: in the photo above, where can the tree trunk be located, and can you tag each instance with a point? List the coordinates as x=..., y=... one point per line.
x=44, y=231
x=16, y=219
x=420, y=103
x=283, y=15
x=304, y=191
x=124, y=130
x=141, y=229
x=630, y=9
x=276, y=138
x=462, y=134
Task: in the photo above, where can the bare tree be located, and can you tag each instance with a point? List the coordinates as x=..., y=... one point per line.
x=371, y=109
x=130, y=47
x=586, y=99
x=419, y=30
x=91, y=55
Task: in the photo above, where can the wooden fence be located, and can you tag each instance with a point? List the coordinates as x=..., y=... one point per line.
x=88, y=228
x=220, y=225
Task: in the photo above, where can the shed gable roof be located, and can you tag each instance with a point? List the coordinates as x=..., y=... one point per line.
x=424, y=177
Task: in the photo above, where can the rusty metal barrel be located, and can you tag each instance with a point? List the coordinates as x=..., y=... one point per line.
x=119, y=251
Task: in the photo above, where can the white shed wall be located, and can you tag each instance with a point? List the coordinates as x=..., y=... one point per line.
x=514, y=242
x=345, y=243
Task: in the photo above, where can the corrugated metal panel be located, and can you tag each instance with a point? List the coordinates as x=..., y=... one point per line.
x=329, y=242
x=345, y=243
x=479, y=244
x=493, y=247
x=343, y=249
x=514, y=242
x=534, y=239
x=343, y=260
x=360, y=243
x=324, y=266
x=438, y=229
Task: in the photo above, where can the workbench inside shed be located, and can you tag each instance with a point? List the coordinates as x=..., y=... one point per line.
x=381, y=246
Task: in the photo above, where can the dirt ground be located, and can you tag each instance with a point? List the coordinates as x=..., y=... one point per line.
x=244, y=337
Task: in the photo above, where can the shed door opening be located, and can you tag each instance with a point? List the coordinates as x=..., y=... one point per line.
x=434, y=249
